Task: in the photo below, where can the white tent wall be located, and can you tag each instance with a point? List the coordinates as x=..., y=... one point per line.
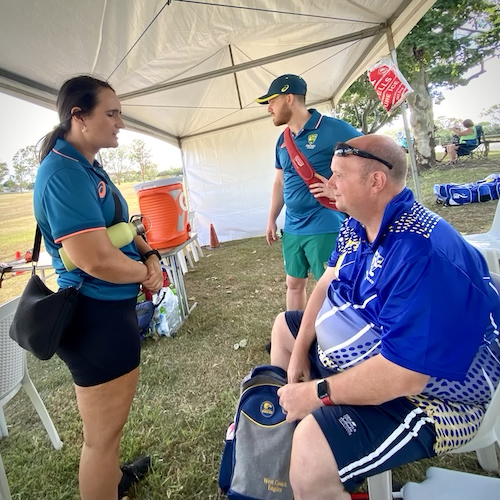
x=229, y=178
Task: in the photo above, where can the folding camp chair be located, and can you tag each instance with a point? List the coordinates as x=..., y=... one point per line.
x=477, y=152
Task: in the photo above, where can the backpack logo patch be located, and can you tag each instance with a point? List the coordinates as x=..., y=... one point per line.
x=267, y=409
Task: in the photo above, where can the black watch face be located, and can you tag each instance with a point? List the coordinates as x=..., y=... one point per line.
x=322, y=389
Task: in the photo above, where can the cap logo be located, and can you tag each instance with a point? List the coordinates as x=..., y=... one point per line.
x=285, y=88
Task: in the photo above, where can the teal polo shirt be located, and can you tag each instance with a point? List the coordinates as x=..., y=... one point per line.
x=304, y=214
x=72, y=196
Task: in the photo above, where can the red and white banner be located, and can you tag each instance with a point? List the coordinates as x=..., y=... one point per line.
x=389, y=83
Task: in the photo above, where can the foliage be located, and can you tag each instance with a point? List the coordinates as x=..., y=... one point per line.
x=493, y=114
x=492, y=126
x=361, y=107
x=25, y=163
x=4, y=170
x=452, y=38
x=443, y=128
x=116, y=162
x=140, y=158
x=171, y=172
x=9, y=183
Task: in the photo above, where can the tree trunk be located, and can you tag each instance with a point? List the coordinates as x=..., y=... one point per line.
x=422, y=121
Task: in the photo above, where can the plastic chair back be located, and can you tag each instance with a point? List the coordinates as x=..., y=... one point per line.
x=12, y=357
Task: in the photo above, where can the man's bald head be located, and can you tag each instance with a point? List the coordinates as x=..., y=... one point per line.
x=386, y=148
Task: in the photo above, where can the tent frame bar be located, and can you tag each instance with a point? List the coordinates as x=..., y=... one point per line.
x=325, y=44
x=260, y=118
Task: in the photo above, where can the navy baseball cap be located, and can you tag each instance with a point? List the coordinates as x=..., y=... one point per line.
x=285, y=84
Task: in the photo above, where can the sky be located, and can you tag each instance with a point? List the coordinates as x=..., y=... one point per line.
x=23, y=124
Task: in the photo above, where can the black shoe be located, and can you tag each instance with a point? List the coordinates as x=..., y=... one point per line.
x=268, y=347
x=132, y=474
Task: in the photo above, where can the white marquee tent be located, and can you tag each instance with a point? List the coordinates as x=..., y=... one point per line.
x=188, y=71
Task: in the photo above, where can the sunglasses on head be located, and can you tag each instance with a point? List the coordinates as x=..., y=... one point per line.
x=343, y=149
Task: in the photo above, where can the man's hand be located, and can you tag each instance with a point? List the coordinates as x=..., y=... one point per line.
x=154, y=281
x=320, y=189
x=271, y=236
x=299, y=368
x=298, y=400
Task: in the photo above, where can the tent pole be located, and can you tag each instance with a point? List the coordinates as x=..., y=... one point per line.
x=184, y=175
x=413, y=161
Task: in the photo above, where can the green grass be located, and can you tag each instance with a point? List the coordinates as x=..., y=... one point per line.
x=189, y=384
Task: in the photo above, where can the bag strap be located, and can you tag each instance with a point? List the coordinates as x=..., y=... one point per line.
x=303, y=167
x=117, y=217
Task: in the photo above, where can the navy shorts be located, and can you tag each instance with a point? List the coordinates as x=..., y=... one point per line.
x=103, y=341
x=367, y=440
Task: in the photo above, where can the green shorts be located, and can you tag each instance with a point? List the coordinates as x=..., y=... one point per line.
x=307, y=253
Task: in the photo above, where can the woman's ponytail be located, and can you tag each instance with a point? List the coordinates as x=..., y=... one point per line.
x=49, y=141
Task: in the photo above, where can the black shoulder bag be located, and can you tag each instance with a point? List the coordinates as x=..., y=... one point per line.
x=43, y=317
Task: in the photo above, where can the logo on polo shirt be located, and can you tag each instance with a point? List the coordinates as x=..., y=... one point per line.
x=311, y=139
x=376, y=263
x=101, y=189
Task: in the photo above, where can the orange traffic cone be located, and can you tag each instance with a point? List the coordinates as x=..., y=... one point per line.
x=214, y=241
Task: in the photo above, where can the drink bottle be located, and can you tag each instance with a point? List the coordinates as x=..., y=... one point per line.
x=120, y=234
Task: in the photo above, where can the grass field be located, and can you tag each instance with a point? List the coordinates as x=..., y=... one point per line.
x=189, y=384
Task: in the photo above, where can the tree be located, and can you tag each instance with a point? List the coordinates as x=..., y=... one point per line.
x=493, y=114
x=492, y=126
x=4, y=170
x=116, y=162
x=453, y=37
x=25, y=162
x=171, y=172
x=443, y=128
x=140, y=158
x=361, y=107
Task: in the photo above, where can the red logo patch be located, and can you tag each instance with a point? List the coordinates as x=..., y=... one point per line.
x=101, y=189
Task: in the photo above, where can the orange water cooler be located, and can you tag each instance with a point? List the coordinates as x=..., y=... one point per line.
x=163, y=202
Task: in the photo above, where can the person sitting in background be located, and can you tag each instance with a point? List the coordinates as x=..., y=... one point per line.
x=464, y=141
x=400, y=334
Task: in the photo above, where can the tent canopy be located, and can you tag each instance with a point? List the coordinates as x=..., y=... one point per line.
x=188, y=72
x=183, y=68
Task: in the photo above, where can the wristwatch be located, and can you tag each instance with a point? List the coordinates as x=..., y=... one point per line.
x=322, y=388
x=146, y=256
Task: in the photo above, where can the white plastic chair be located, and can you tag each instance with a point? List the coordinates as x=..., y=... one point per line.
x=4, y=485
x=14, y=375
x=489, y=243
x=483, y=443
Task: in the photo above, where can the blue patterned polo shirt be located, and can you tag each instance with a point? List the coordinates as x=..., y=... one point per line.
x=421, y=296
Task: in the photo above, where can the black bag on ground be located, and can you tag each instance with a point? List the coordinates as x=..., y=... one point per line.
x=42, y=316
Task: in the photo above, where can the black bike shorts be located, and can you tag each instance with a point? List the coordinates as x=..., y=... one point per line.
x=103, y=342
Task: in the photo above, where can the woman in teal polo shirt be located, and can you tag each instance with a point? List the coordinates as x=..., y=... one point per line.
x=74, y=203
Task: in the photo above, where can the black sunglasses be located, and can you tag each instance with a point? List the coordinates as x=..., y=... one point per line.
x=343, y=149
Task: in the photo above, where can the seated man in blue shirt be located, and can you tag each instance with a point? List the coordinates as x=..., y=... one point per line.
x=397, y=352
